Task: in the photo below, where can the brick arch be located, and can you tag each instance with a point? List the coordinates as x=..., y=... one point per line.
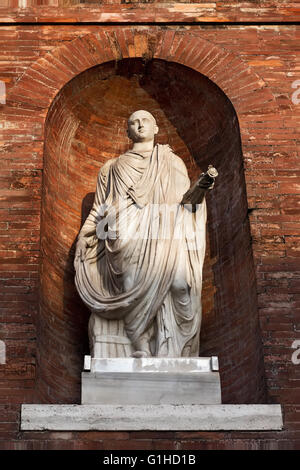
x=42, y=85
x=46, y=77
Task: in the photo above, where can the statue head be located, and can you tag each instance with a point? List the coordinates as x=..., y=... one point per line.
x=142, y=126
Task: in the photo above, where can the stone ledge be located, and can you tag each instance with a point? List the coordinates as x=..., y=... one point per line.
x=151, y=418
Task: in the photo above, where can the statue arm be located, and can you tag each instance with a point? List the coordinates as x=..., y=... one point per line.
x=192, y=195
x=196, y=193
x=182, y=181
x=87, y=235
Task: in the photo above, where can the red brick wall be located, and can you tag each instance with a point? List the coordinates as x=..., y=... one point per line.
x=137, y=11
x=263, y=67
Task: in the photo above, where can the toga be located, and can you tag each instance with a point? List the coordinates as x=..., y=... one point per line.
x=145, y=251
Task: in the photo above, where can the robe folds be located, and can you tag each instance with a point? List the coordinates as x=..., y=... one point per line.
x=145, y=251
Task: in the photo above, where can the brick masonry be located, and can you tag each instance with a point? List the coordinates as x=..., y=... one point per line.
x=137, y=11
x=255, y=67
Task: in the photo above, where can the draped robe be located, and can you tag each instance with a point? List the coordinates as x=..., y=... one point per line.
x=138, y=230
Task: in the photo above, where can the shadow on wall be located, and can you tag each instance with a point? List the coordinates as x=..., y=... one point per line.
x=86, y=126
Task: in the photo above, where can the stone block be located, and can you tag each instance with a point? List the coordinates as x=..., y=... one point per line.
x=130, y=381
x=151, y=417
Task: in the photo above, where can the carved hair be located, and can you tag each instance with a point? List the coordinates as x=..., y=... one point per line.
x=142, y=111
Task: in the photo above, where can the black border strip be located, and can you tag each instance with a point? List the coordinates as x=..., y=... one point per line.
x=150, y=23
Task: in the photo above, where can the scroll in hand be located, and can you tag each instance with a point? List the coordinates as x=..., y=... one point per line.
x=197, y=191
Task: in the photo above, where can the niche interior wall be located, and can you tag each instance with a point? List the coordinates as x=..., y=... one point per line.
x=86, y=126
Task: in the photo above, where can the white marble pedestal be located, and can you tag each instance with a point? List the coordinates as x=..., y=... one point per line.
x=151, y=381
x=154, y=394
x=151, y=418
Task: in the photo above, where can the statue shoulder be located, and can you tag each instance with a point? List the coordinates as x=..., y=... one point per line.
x=178, y=163
x=179, y=173
x=105, y=168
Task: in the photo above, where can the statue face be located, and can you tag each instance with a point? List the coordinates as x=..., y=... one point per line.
x=142, y=127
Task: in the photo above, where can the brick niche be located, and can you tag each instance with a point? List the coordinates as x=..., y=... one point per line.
x=86, y=125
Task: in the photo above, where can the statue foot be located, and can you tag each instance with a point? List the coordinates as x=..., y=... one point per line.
x=138, y=354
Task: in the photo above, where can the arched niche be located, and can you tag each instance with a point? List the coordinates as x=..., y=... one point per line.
x=86, y=125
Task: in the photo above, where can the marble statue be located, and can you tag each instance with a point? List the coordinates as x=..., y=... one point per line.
x=140, y=252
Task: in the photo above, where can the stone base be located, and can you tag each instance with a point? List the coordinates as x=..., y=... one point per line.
x=151, y=381
x=151, y=418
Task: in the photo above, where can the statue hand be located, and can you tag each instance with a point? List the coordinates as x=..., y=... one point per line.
x=81, y=247
x=204, y=183
x=207, y=180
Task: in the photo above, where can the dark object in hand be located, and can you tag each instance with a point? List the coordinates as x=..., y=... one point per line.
x=197, y=191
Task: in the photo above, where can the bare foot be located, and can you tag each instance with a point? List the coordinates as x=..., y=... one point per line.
x=138, y=354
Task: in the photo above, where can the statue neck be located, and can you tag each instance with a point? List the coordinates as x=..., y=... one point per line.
x=143, y=146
